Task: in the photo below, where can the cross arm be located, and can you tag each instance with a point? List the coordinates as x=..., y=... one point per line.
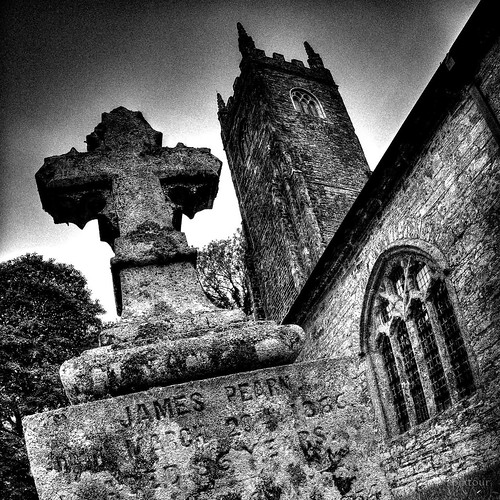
x=74, y=187
x=190, y=179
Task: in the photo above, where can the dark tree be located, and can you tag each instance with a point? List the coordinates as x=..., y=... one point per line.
x=46, y=317
x=223, y=274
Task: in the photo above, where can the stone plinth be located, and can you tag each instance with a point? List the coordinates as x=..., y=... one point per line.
x=299, y=431
x=119, y=368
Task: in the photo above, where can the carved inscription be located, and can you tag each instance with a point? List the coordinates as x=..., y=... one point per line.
x=253, y=389
x=323, y=405
x=246, y=432
x=166, y=408
x=257, y=433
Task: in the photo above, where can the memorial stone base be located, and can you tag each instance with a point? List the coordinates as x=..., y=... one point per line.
x=298, y=431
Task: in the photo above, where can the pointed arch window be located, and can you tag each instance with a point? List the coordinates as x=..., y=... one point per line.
x=417, y=351
x=305, y=102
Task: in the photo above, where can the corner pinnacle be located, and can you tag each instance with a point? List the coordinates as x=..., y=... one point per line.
x=309, y=50
x=220, y=102
x=314, y=58
x=245, y=41
x=241, y=29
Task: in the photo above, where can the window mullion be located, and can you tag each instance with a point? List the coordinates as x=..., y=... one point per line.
x=422, y=367
x=443, y=352
x=387, y=406
x=427, y=338
x=405, y=384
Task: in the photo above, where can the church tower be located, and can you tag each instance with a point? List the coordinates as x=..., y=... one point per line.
x=296, y=164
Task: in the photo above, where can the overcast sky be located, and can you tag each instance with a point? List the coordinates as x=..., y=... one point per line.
x=65, y=62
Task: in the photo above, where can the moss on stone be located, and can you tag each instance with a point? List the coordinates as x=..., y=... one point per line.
x=267, y=489
x=92, y=489
x=297, y=475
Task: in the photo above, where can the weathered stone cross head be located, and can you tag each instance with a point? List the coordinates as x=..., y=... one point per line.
x=138, y=191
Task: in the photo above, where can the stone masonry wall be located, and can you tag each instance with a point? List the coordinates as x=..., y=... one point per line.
x=260, y=194
x=449, y=206
x=325, y=152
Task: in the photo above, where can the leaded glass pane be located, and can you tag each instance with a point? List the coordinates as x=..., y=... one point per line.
x=431, y=355
x=398, y=280
x=395, y=385
x=453, y=340
x=423, y=278
x=383, y=311
x=417, y=393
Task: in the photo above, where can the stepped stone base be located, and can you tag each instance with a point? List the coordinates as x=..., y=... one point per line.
x=119, y=369
x=298, y=431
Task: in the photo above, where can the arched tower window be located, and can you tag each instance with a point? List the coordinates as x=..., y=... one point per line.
x=412, y=336
x=305, y=102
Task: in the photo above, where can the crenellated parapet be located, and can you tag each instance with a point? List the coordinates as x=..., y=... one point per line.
x=254, y=59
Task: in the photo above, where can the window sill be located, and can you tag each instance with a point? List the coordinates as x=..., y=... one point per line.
x=468, y=403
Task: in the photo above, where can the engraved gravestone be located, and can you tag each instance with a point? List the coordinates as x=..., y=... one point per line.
x=153, y=422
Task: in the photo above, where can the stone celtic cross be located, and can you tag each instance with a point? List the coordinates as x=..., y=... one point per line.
x=138, y=191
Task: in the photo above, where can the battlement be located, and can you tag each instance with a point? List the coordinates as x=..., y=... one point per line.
x=254, y=58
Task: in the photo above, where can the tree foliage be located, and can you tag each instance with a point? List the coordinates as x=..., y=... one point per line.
x=46, y=317
x=223, y=275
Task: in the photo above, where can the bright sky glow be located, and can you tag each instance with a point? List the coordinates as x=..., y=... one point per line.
x=66, y=62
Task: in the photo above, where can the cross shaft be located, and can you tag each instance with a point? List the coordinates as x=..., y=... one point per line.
x=137, y=190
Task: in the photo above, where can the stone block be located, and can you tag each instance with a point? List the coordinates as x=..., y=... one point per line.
x=295, y=431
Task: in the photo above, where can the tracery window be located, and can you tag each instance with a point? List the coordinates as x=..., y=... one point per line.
x=415, y=340
x=305, y=102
